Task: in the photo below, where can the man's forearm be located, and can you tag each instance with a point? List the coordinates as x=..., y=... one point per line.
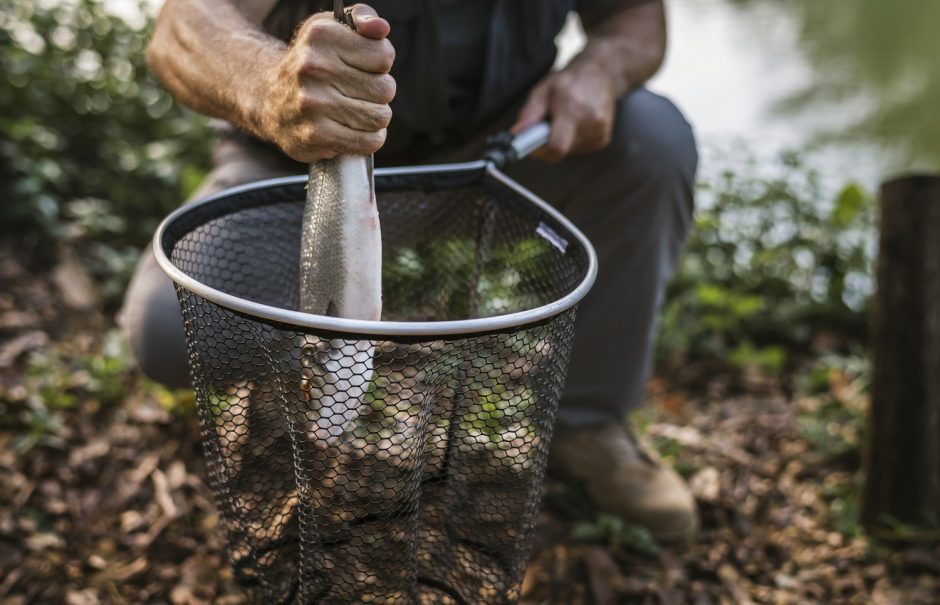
x=211, y=56
x=628, y=45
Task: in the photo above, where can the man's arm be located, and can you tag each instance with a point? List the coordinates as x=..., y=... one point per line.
x=623, y=50
x=325, y=93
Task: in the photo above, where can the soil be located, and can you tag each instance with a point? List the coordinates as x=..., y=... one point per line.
x=103, y=495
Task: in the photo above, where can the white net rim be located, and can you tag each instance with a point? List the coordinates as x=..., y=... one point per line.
x=383, y=328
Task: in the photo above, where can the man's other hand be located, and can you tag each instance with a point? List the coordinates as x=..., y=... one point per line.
x=580, y=101
x=330, y=94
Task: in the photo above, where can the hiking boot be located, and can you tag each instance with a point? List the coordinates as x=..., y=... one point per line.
x=623, y=479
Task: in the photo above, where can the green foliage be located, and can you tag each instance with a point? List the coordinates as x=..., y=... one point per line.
x=832, y=419
x=612, y=531
x=773, y=261
x=94, y=152
x=55, y=380
x=445, y=276
x=872, y=62
x=845, y=505
x=92, y=148
x=833, y=414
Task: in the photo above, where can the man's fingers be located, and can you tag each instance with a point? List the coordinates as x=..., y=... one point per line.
x=344, y=140
x=373, y=88
x=364, y=54
x=534, y=110
x=368, y=23
x=328, y=138
x=359, y=115
x=561, y=138
x=331, y=41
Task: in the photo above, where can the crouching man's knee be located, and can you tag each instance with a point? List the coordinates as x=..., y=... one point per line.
x=151, y=321
x=655, y=138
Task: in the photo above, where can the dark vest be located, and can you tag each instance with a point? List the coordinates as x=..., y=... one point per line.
x=521, y=50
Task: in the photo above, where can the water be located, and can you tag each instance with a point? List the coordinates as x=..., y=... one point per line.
x=856, y=81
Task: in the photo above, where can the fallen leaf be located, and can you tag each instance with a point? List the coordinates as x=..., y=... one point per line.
x=17, y=320
x=706, y=484
x=601, y=573
x=10, y=350
x=74, y=284
x=89, y=596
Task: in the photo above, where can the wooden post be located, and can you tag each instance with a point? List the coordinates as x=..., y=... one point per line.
x=903, y=451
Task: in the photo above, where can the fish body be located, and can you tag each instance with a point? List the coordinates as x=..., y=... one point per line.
x=340, y=276
x=341, y=245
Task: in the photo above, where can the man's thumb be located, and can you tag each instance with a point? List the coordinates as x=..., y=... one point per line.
x=368, y=23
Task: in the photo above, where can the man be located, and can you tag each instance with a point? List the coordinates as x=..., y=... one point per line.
x=294, y=86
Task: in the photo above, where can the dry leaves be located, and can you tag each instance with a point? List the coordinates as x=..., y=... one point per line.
x=111, y=506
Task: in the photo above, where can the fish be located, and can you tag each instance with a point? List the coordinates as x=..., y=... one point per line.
x=340, y=276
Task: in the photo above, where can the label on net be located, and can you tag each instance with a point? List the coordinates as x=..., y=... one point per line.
x=552, y=237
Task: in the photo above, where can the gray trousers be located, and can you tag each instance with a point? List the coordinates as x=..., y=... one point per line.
x=633, y=199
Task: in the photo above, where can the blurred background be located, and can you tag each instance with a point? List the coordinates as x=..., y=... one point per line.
x=801, y=109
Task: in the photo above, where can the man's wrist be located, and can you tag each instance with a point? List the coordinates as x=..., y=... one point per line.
x=630, y=44
x=600, y=58
x=252, y=99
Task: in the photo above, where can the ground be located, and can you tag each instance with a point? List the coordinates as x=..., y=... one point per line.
x=103, y=496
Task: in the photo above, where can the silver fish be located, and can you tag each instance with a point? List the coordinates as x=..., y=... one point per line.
x=341, y=276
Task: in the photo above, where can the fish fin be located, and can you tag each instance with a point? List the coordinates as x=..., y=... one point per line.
x=331, y=310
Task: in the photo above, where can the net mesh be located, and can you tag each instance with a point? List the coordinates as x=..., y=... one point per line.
x=415, y=478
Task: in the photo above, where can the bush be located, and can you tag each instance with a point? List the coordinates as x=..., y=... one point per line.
x=92, y=148
x=773, y=266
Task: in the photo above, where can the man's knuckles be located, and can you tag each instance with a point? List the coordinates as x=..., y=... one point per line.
x=363, y=116
x=375, y=88
x=385, y=89
x=556, y=149
x=375, y=56
x=371, y=142
x=318, y=65
x=383, y=56
x=378, y=118
x=328, y=64
x=312, y=102
x=321, y=27
x=317, y=141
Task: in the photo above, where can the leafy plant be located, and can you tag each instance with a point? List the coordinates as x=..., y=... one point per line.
x=833, y=415
x=55, y=381
x=611, y=530
x=772, y=263
x=441, y=279
x=92, y=148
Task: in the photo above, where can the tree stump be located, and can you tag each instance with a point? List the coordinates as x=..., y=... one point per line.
x=903, y=450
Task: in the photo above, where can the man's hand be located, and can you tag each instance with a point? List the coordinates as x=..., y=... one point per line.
x=330, y=94
x=623, y=50
x=581, y=101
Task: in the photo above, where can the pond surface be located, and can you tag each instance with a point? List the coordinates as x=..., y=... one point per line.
x=858, y=80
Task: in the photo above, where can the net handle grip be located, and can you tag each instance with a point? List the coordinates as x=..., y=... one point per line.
x=505, y=148
x=531, y=139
